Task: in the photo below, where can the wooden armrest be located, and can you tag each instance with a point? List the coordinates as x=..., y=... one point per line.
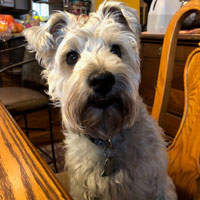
x=24, y=174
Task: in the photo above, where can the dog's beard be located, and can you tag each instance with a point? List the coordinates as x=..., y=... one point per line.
x=100, y=117
x=101, y=120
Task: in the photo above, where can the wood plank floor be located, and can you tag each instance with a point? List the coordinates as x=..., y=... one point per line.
x=40, y=120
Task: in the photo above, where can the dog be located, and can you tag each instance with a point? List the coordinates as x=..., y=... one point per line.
x=114, y=149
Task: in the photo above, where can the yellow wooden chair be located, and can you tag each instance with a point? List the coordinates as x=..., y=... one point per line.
x=184, y=153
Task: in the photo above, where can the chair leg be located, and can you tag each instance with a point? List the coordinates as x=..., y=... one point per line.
x=51, y=138
x=26, y=125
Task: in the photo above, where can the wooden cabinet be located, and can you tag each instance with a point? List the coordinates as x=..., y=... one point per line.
x=7, y=3
x=151, y=47
x=22, y=4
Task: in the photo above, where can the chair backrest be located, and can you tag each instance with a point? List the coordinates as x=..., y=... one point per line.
x=20, y=65
x=31, y=73
x=184, y=153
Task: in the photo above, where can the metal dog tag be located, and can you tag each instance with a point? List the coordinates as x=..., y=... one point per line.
x=109, y=166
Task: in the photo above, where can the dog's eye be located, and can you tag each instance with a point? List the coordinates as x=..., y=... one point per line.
x=116, y=50
x=72, y=58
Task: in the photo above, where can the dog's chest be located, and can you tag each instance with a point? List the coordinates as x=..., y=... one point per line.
x=90, y=175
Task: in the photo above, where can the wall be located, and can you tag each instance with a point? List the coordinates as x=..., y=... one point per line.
x=93, y=6
x=132, y=3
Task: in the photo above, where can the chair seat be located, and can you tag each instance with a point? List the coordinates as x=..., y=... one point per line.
x=19, y=100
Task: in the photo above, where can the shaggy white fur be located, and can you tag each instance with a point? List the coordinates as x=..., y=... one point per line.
x=92, y=68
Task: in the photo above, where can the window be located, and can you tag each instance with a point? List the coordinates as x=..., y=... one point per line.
x=42, y=9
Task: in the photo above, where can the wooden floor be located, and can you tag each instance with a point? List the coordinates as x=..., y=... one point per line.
x=40, y=120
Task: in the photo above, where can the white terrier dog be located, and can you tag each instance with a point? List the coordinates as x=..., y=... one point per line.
x=114, y=149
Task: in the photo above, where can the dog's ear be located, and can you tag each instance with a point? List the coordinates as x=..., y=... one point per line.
x=126, y=16
x=46, y=38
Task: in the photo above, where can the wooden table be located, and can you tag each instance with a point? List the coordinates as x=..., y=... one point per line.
x=23, y=173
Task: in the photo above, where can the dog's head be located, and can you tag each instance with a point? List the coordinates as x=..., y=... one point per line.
x=92, y=67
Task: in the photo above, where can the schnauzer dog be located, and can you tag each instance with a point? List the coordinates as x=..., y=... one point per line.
x=114, y=149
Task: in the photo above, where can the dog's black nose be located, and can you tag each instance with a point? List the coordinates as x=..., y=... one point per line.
x=101, y=82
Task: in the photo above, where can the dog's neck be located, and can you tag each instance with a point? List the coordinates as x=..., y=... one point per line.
x=109, y=153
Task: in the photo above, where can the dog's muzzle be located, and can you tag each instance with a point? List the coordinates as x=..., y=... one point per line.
x=101, y=84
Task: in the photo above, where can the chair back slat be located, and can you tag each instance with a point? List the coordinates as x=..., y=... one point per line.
x=184, y=153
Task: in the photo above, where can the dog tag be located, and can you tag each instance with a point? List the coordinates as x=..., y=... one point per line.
x=109, y=167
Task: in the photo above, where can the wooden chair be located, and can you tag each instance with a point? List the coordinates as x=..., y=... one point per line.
x=184, y=153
